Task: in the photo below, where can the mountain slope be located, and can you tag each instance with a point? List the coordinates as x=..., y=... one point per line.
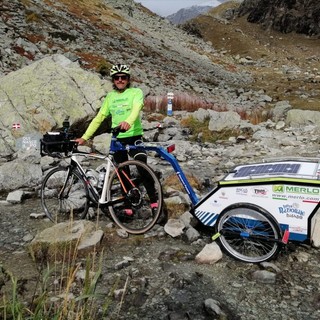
x=285, y=66
x=285, y=16
x=98, y=33
x=232, y=53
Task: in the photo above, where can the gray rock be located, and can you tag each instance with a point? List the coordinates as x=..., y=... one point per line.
x=79, y=236
x=174, y=227
x=296, y=117
x=15, y=196
x=213, y=308
x=264, y=276
x=210, y=254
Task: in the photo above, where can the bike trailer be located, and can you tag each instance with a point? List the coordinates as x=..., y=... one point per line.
x=288, y=190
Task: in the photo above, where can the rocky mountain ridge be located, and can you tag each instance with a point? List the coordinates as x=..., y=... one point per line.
x=164, y=58
x=186, y=14
x=285, y=65
x=99, y=33
x=284, y=16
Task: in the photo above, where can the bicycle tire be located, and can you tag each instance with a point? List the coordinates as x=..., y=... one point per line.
x=248, y=233
x=73, y=203
x=143, y=217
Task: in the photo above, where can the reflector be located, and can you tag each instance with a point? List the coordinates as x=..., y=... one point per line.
x=171, y=148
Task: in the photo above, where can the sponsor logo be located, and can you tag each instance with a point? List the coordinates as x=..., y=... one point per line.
x=278, y=188
x=292, y=211
x=298, y=229
x=260, y=191
x=242, y=191
x=223, y=195
x=295, y=189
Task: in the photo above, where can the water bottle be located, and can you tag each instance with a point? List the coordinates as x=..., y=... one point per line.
x=102, y=174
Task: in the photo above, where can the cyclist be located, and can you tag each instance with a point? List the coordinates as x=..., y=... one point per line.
x=124, y=104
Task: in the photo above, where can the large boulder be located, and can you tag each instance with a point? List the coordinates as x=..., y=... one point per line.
x=297, y=117
x=64, y=240
x=40, y=96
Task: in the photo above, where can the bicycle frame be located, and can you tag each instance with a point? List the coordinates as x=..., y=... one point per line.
x=164, y=153
x=92, y=190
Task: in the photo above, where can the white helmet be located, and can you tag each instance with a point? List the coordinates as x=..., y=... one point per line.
x=119, y=68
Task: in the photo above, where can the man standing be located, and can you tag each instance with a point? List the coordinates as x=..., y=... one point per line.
x=124, y=105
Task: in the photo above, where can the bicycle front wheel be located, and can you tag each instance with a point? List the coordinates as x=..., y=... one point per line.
x=248, y=233
x=64, y=195
x=135, y=194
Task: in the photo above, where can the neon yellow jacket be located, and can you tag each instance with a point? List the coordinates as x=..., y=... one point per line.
x=122, y=106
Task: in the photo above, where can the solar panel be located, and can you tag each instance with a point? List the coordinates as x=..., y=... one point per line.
x=261, y=169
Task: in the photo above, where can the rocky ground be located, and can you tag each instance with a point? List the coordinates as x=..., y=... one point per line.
x=156, y=277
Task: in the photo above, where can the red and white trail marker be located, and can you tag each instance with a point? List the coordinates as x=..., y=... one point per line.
x=16, y=126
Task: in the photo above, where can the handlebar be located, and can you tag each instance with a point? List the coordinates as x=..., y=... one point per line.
x=60, y=144
x=115, y=131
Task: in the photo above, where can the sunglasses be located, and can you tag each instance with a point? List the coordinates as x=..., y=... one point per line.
x=125, y=77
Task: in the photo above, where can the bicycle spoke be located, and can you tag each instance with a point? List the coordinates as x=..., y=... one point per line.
x=63, y=198
x=135, y=213
x=248, y=233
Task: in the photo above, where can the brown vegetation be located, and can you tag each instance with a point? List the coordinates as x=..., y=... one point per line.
x=185, y=102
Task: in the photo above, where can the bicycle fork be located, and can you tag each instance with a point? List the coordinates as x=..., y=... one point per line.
x=62, y=194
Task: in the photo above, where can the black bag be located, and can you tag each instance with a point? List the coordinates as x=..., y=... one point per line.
x=55, y=143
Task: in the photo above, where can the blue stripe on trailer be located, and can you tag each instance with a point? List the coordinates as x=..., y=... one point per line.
x=213, y=220
x=207, y=218
x=200, y=214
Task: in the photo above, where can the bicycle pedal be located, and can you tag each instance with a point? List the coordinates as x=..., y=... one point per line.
x=128, y=212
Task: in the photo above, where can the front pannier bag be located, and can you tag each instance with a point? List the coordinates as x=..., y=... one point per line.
x=56, y=142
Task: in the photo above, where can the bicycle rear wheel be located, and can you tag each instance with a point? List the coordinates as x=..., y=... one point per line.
x=64, y=195
x=136, y=197
x=248, y=233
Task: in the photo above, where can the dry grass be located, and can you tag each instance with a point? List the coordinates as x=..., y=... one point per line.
x=185, y=102
x=173, y=181
x=181, y=102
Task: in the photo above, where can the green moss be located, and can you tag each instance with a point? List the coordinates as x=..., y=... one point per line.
x=103, y=67
x=199, y=131
x=32, y=17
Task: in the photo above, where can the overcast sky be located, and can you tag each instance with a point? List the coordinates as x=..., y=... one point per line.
x=167, y=7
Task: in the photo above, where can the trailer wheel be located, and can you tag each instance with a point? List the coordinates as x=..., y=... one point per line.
x=248, y=233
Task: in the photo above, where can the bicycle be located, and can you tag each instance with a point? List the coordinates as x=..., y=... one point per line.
x=69, y=191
